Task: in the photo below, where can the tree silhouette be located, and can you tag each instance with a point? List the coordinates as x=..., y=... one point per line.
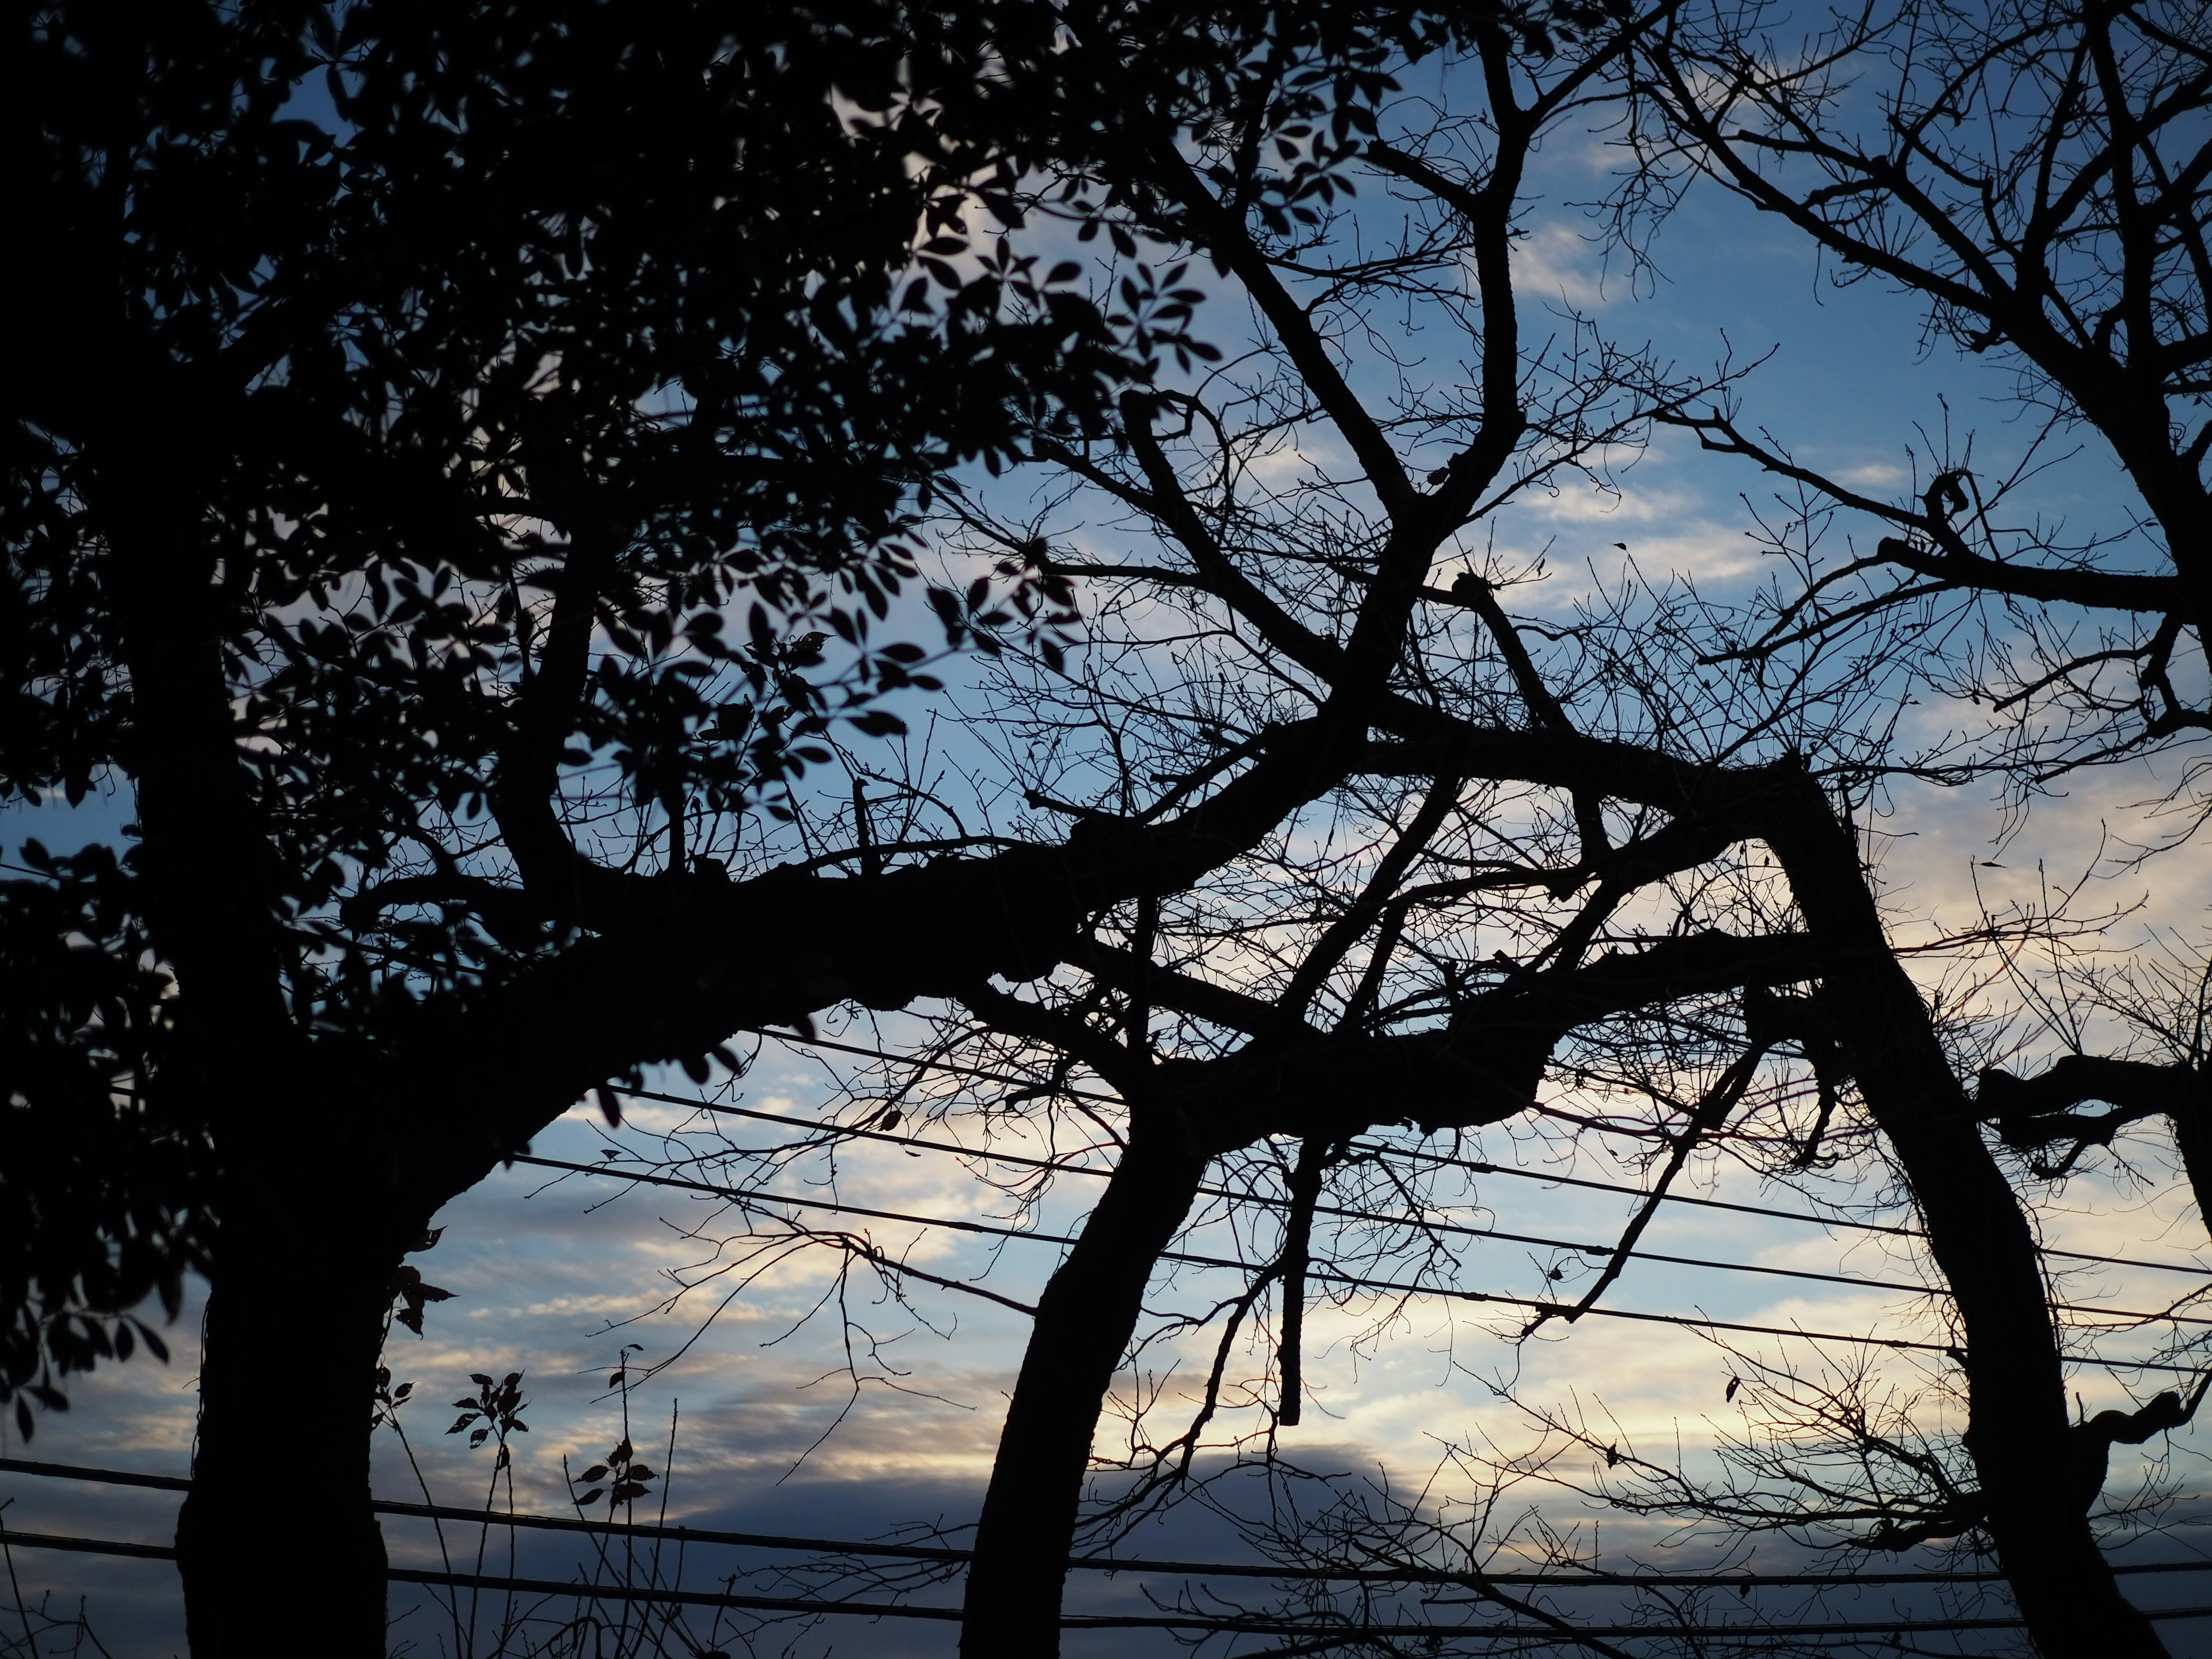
x=1587, y=789
x=368, y=365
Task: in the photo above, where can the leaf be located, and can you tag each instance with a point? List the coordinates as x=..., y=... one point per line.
x=597, y=1471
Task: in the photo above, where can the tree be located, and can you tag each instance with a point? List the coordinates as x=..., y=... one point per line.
x=2035, y=173
x=1441, y=759
x=481, y=369
x=365, y=365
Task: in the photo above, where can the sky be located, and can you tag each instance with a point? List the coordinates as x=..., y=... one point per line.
x=556, y=1276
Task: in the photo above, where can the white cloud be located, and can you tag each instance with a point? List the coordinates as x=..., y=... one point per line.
x=1558, y=262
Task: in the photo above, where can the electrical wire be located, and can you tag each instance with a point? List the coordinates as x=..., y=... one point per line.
x=1379, y=1149
x=2115, y=1316
x=1576, y=1579
x=1562, y=1634
x=1192, y=1259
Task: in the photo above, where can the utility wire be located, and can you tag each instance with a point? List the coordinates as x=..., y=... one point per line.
x=1374, y=1148
x=2116, y=1315
x=1562, y=1635
x=954, y=1555
x=47, y=1541
x=669, y=1596
x=1191, y=1259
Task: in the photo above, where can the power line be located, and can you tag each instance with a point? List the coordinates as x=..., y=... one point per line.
x=1190, y=1259
x=47, y=1541
x=2195, y=1270
x=1564, y=1633
x=1376, y=1148
x=669, y=1596
x=2116, y=1315
x=1461, y=1228
x=1572, y=1579
x=953, y=1556
x=102, y=1477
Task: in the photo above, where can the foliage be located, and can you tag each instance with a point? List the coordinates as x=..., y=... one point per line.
x=99, y=1186
x=342, y=339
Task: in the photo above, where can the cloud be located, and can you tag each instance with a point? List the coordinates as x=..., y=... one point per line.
x=1875, y=474
x=1558, y=262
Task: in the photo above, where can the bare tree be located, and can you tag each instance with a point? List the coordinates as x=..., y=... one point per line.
x=2034, y=171
x=1505, y=836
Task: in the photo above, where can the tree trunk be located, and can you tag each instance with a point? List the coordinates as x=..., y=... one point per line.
x=279, y=1551
x=2018, y=1432
x=278, y=1548
x=2192, y=1138
x=1084, y=1324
